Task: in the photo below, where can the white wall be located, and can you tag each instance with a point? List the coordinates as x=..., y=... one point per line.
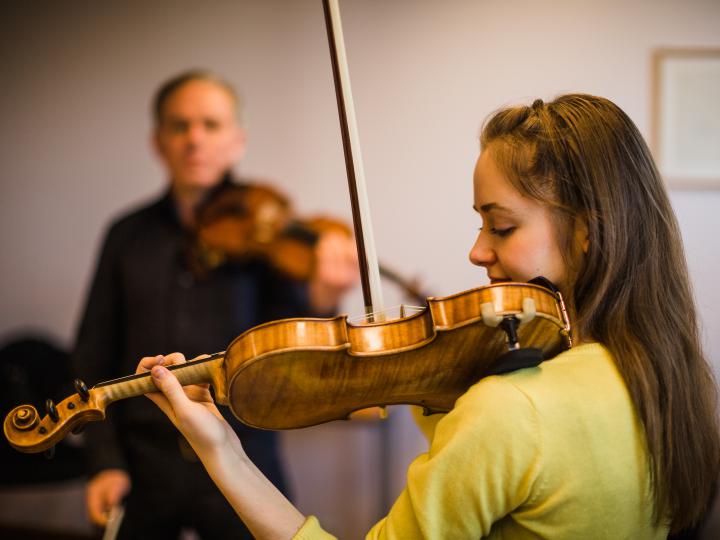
x=77, y=78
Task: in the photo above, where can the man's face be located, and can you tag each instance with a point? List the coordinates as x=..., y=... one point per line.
x=197, y=137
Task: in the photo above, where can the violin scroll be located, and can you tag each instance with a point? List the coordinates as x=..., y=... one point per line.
x=28, y=433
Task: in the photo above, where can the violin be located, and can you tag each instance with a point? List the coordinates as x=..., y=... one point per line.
x=300, y=372
x=295, y=373
x=254, y=221
x=241, y=222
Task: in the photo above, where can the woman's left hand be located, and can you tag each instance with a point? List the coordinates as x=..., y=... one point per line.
x=263, y=508
x=191, y=408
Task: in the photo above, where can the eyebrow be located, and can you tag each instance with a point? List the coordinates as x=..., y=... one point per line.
x=491, y=206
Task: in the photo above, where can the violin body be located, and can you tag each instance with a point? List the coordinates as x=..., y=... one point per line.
x=333, y=367
x=295, y=373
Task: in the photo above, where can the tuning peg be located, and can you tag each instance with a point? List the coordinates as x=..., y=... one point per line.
x=82, y=389
x=49, y=453
x=52, y=410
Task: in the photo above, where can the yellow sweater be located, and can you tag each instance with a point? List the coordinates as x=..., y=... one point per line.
x=551, y=452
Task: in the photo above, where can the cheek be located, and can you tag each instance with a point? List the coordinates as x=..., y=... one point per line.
x=550, y=263
x=531, y=256
x=173, y=150
x=223, y=151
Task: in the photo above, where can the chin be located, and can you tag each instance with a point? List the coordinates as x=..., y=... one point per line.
x=198, y=181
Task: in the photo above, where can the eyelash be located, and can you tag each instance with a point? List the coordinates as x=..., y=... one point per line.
x=501, y=233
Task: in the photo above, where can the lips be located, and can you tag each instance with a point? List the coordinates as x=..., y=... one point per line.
x=194, y=163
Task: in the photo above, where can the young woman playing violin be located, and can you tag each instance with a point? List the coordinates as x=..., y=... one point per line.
x=614, y=438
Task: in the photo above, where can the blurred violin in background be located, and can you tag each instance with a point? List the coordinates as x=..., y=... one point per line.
x=243, y=222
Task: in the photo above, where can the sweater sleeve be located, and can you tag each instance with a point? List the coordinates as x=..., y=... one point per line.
x=482, y=464
x=311, y=530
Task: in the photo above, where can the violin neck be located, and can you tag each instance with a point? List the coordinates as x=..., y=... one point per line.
x=208, y=370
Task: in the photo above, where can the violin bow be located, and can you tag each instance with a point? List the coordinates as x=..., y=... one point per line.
x=367, y=254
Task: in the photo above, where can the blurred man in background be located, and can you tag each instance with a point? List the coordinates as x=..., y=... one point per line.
x=144, y=300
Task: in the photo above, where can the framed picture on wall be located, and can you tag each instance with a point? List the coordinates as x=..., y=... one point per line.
x=686, y=116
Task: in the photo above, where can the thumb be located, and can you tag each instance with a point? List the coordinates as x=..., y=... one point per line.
x=168, y=384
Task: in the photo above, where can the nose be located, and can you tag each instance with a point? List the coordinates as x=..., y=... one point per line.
x=482, y=254
x=195, y=133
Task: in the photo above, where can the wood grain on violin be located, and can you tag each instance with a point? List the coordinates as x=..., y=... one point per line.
x=296, y=373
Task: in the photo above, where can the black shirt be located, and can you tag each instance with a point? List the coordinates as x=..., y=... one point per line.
x=144, y=301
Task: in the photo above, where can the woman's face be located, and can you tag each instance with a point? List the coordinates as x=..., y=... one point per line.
x=517, y=240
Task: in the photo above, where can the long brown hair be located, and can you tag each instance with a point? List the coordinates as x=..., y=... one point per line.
x=584, y=157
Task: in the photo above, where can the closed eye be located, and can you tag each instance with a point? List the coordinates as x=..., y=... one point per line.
x=502, y=232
